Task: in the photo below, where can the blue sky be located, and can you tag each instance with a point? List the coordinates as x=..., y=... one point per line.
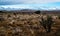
x=31, y=4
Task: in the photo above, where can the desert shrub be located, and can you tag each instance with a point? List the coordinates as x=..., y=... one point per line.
x=44, y=13
x=58, y=17
x=14, y=13
x=8, y=16
x=1, y=19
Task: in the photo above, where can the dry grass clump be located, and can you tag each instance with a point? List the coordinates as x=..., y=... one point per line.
x=23, y=25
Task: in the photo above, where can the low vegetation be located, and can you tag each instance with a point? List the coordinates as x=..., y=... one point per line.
x=27, y=25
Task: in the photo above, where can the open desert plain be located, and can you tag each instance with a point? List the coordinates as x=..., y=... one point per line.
x=25, y=24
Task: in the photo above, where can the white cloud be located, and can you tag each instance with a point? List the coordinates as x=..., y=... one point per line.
x=40, y=1
x=18, y=7
x=30, y=1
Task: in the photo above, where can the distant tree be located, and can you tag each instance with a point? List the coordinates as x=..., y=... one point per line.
x=38, y=12
x=1, y=11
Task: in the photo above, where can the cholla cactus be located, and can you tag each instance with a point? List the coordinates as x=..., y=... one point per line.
x=47, y=23
x=43, y=22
